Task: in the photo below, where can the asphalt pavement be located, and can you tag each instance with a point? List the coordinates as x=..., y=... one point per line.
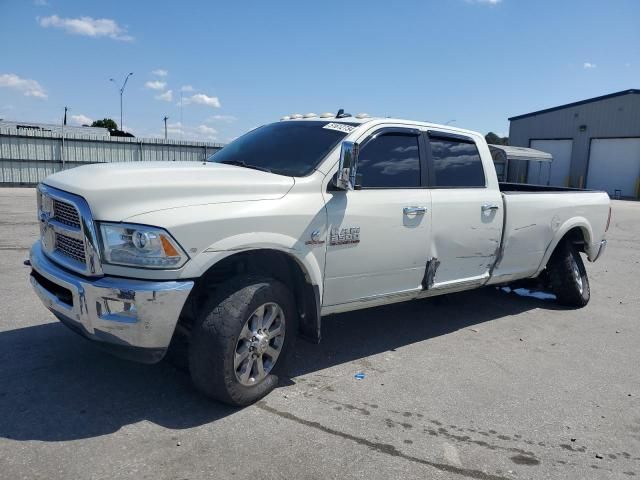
x=482, y=385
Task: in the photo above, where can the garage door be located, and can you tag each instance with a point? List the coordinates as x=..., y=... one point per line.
x=614, y=164
x=558, y=175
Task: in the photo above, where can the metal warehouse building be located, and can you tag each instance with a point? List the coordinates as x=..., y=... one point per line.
x=595, y=144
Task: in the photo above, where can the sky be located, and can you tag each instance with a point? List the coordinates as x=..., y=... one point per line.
x=218, y=69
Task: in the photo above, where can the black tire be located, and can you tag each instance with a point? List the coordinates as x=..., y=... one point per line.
x=217, y=331
x=568, y=277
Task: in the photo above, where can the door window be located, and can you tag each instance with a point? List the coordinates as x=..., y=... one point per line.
x=456, y=163
x=391, y=160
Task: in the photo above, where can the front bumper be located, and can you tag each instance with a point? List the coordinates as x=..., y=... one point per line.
x=134, y=319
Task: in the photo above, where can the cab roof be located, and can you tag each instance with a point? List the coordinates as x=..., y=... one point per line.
x=381, y=121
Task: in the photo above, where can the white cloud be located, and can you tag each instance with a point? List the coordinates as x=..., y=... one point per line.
x=160, y=72
x=88, y=27
x=166, y=96
x=202, y=99
x=156, y=85
x=589, y=65
x=81, y=119
x=204, y=130
x=41, y=3
x=221, y=118
x=485, y=2
x=187, y=88
x=28, y=87
x=199, y=133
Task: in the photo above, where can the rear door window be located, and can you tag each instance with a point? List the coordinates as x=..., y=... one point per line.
x=456, y=162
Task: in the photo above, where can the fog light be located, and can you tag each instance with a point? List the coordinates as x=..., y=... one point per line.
x=117, y=310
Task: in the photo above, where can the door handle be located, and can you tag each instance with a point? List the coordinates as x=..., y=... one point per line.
x=487, y=207
x=415, y=210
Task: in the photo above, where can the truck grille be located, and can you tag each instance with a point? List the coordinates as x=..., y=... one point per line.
x=70, y=247
x=67, y=232
x=66, y=213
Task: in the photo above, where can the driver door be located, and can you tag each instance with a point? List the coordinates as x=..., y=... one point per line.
x=379, y=234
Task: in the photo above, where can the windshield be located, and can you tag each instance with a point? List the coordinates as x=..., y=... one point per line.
x=286, y=148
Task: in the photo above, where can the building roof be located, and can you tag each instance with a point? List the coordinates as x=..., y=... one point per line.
x=632, y=91
x=504, y=152
x=22, y=127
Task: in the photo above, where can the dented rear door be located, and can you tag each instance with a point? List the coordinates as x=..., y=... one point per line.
x=467, y=211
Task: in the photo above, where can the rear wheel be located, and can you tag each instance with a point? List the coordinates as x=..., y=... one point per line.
x=241, y=340
x=568, y=276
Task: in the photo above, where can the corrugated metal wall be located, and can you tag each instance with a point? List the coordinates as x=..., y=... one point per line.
x=29, y=157
x=607, y=118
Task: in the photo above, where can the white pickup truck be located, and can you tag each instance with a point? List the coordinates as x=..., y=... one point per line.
x=236, y=256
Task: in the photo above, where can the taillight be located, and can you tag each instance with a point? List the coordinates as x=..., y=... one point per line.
x=608, y=221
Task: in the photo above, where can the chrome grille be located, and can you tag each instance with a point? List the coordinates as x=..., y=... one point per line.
x=66, y=213
x=67, y=232
x=70, y=247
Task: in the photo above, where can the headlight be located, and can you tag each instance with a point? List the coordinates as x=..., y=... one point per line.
x=140, y=246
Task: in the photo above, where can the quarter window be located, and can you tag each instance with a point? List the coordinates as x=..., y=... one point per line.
x=456, y=163
x=391, y=160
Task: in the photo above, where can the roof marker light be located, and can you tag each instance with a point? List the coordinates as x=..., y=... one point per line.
x=286, y=117
x=362, y=115
x=326, y=115
x=310, y=115
x=296, y=116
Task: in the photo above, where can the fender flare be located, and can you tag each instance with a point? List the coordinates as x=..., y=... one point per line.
x=245, y=242
x=570, y=224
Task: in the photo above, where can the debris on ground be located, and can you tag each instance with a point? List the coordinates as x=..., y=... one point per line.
x=359, y=376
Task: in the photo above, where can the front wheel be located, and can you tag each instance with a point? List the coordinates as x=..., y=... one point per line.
x=241, y=340
x=568, y=276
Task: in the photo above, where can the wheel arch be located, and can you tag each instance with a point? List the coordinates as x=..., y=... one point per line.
x=297, y=273
x=577, y=231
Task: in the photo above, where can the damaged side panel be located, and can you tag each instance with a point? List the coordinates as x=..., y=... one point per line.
x=430, y=273
x=466, y=236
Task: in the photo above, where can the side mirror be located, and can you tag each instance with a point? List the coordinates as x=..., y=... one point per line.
x=347, y=167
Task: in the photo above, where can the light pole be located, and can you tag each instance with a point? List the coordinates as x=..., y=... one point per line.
x=165, y=126
x=124, y=84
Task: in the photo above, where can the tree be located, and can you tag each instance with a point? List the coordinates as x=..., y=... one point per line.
x=105, y=123
x=494, y=139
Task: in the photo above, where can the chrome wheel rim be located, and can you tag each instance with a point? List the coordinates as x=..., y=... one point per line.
x=259, y=344
x=576, y=274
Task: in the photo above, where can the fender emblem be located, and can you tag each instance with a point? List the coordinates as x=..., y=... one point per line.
x=315, y=239
x=344, y=236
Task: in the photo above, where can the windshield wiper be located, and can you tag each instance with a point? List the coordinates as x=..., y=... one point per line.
x=241, y=163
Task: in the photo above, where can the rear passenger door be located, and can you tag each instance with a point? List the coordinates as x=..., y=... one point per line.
x=466, y=211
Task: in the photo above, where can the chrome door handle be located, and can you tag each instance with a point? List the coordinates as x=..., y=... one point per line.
x=488, y=207
x=415, y=210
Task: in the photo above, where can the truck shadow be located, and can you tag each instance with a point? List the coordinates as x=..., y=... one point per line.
x=55, y=386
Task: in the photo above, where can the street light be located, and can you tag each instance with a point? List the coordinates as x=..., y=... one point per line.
x=165, y=126
x=124, y=84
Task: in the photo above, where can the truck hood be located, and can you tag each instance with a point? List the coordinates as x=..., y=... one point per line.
x=117, y=191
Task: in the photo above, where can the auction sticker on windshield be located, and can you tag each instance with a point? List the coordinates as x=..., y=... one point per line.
x=340, y=127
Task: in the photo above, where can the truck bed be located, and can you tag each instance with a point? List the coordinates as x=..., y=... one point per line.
x=507, y=187
x=536, y=215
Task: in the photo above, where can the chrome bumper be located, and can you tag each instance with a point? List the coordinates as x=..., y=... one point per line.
x=601, y=250
x=133, y=318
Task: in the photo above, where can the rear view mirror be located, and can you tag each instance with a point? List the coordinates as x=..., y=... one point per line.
x=347, y=167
